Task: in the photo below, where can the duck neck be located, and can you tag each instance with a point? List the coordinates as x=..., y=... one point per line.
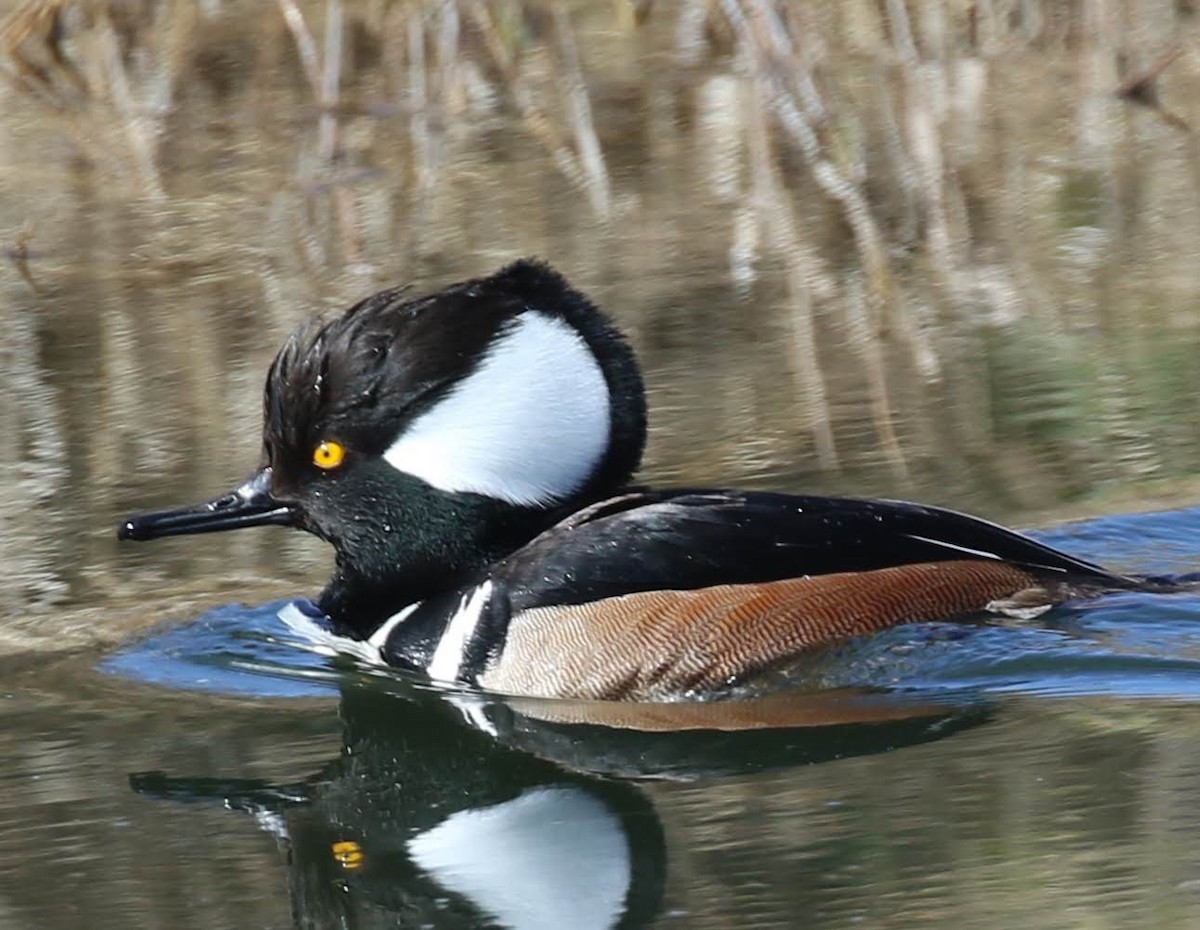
x=360, y=599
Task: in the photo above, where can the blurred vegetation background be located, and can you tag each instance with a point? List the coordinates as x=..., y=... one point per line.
x=939, y=249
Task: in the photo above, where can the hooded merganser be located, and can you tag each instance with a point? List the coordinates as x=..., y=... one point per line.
x=467, y=455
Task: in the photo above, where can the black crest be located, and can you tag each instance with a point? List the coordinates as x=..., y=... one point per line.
x=361, y=377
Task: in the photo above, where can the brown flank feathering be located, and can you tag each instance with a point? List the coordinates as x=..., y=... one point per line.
x=660, y=644
x=773, y=711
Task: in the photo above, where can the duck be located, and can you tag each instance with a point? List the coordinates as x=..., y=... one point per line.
x=470, y=456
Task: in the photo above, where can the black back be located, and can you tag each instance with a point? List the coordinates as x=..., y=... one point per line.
x=687, y=539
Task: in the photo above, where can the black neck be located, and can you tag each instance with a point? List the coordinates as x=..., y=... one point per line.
x=446, y=546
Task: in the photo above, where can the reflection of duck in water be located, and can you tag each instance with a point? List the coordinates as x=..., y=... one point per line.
x=438, y=825
x=446, y=826
x=461, y=452
x=688, y=740
x=443, y=825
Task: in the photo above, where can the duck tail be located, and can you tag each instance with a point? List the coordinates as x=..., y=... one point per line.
x=1168, y=584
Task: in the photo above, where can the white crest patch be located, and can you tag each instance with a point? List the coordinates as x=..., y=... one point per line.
x=448, y=656
x=528, y=426
x=554, y=857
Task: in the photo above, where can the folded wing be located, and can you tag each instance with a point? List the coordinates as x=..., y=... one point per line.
x=654, y=595
x=682, y=540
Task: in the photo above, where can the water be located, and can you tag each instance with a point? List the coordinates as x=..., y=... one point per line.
x=977, y=290
x=219, y=773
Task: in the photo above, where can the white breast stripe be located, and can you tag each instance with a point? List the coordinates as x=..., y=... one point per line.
x=528, y=426
x=448, y=656
x=379, y=637
x=553, y=858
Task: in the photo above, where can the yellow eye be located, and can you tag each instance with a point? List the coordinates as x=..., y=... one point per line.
x=328, y=454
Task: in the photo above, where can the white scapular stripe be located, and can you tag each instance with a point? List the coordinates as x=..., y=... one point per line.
x=448, y=656
x=952, y=547
x=528, y=426
x=554, y=857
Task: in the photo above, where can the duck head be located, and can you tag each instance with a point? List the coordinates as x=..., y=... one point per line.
x=425, y=438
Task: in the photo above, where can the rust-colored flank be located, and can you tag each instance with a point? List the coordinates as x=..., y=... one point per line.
x=661, y=643
x=789, y=708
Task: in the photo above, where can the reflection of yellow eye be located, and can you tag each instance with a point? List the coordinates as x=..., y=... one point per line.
x=328, y=454
x=348, y=853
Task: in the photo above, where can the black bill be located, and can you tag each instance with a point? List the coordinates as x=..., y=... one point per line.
x=249, y=505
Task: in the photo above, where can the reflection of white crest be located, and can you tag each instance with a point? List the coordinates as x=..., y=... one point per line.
x=529, y=425
x=553, y=858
